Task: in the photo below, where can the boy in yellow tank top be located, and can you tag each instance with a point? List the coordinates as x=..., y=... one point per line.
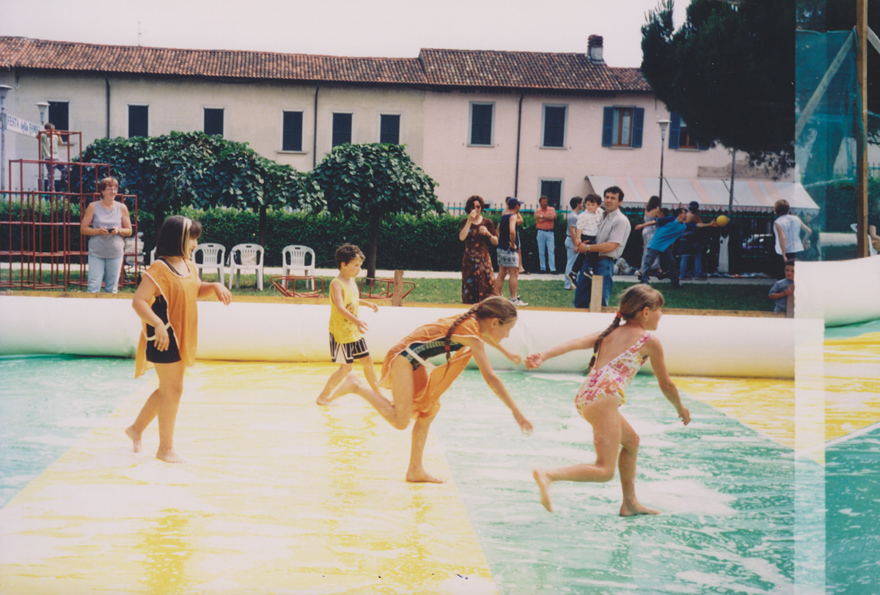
x=346, y=329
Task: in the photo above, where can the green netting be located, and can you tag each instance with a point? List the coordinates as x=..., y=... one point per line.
x=829, y=128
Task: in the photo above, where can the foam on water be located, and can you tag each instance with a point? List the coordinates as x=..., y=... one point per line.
x=724, y=490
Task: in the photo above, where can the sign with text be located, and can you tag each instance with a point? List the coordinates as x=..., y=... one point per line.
x=22, y=126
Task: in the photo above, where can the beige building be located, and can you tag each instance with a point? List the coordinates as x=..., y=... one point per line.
x=479, y=122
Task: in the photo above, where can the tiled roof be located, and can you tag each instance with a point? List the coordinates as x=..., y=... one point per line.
x=632, y=79
x=442, y=68
x=56, y=55
x=521, y=70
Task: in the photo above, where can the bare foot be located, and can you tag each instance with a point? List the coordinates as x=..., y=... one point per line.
x=636, y=509
x=135, y=438
x=169, y=456
x=350, y=384
x=421, y=477
x=540, y=476
x=323, y=400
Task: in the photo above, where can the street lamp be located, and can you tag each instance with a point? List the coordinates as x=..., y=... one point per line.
x=44, y=110
x=4, y=89
x=664, y=124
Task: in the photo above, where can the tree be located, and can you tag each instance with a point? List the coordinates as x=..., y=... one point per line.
x=180, y=169
x=371, y=181
x=729, y=73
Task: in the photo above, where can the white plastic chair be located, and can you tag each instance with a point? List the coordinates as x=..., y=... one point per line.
x=250, y=258
x=213, y=257
x=294, y=258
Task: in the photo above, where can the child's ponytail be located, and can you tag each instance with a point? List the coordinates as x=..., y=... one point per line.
x=633, y=301
x=491, y=307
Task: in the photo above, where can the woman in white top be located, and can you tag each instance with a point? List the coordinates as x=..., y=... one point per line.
x=106, y=222
x=788, y=236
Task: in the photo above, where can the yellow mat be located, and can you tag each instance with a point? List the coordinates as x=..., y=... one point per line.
x=849, y=398
x=279, y=496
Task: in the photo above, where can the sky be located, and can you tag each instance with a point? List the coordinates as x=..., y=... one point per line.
x=379, y=28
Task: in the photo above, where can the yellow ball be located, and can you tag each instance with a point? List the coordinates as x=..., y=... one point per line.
x=721, y=220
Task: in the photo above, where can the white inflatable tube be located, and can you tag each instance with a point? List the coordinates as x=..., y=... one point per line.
x=260, y=331
x=839, y=292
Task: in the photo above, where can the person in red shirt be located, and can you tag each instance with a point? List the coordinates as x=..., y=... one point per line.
x=545, y=219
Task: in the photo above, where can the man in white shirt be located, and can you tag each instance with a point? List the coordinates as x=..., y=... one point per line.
x=610, y=241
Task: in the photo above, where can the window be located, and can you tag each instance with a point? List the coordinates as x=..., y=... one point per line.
x=481, y=124
x=214, y=121
x=59, y=115
x=138, y=120
x=554, y=126
x=341, y=129
x=552, y=189
x=622, y=127
x=679, y=137
x=292, y=131
x=389, y=129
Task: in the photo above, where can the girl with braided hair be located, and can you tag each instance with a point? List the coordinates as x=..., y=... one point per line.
x=416, y=385
x=618, y=353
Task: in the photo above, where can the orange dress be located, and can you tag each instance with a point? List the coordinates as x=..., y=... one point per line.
x=181, y=294
x=429, y=386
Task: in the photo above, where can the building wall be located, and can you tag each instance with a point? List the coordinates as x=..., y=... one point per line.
x=435, y=127
x=491, y=172
x=252, y=111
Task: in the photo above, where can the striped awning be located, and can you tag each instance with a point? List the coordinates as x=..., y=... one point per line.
x=711, y=193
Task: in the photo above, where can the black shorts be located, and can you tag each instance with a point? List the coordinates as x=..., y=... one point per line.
x=170, y=355
x=347, y=351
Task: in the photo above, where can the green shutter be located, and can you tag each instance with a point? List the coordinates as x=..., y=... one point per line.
x=638, y=124
x=607, y=124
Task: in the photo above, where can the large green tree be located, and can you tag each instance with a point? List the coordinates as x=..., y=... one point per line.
x=180, y=169
x=371, y=181
x=729, y=73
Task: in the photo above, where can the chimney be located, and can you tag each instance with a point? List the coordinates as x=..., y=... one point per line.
x=594, y=49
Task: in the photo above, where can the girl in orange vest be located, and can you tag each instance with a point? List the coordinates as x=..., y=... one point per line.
x=166, y=303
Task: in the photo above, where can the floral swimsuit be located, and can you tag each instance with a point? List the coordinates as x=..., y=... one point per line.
x=613, y=377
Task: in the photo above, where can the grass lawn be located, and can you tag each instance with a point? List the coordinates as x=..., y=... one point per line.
x=550, y=294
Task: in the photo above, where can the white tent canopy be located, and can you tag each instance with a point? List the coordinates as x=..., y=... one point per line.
x=711, y=193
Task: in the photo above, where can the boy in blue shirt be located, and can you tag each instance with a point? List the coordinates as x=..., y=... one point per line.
x=669, y=229
x=783, y=288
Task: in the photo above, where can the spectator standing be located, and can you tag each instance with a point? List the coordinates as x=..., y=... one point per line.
x=508, y=250
x=610, y=241
x=106, y=222
x=588, y=227
x=788, y=229
x=50, y=144
x=572, y=235
x=545, y=221
x=477, y=274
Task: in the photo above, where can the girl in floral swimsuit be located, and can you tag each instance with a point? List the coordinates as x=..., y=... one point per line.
x=624, y=348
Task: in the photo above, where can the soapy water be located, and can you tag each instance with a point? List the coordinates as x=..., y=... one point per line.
x=730, y=522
